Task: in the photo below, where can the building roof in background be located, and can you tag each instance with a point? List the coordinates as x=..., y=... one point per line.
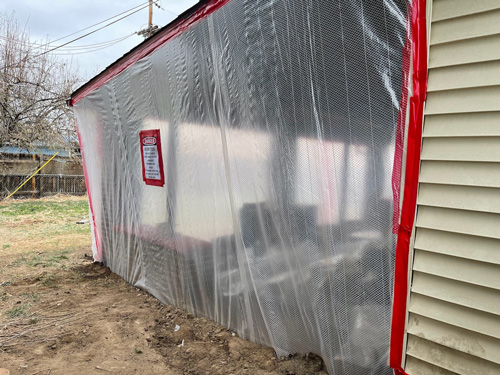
x=39, y=151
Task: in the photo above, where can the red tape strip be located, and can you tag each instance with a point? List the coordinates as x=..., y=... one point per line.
x=419, y=79
x=399, y=371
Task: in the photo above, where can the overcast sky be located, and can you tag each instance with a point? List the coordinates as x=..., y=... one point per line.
x=53, y=19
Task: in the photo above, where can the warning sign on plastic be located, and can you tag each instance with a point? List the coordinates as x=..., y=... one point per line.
x=152, y=163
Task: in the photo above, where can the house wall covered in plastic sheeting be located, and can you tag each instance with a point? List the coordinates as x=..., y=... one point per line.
x=281, y=125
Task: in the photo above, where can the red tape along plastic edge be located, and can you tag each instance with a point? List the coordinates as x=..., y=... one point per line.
x=419, y=79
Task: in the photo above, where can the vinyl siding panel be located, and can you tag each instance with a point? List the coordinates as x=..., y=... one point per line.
x=459, y=28
x=459, y=245
x=473, y=272
x=457, y=292
x=464, y=76
x=483, y=149
x=459, y=221
x=455, y=315
x=456, y=338
x=415, y=366
x=482, y=99
x=446, y=9
x=465, y=51
x=456, y=362
x=460, y=173
x=470, y=198
x=482, y=124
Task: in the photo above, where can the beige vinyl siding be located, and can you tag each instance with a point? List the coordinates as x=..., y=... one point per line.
x=460, y=173
x=460, y=269
x=464, y=76
x=470, y=100
x=449, y=9
x=459, y=124
x=472, y=198
x=466, y=51
x=457, y=292
x=456, y=315
x=472, y=26
x=432, y=354
x=459, y=245
x=462, y=149
x=453, y=322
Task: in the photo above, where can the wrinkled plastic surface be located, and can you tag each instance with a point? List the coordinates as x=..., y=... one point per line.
x=278, y=122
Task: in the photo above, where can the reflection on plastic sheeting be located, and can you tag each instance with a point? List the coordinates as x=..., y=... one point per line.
x=278, y=122
x=319, y=176
x=204, y=174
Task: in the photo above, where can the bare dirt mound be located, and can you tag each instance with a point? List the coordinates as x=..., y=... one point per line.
x=60, y=313
x=80, y=318
x=200, y=346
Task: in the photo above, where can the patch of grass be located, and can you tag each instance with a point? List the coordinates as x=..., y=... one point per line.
x=44, y=260
x=17, y=311
x=35, y=261
x=57, y=258
x=138, y=351
x=6, y=246
x=19, y=261
x=5, y=298
x=44, y=225
x=32, y=296
x=73, y=208
x=34, y=320
x=48, y=279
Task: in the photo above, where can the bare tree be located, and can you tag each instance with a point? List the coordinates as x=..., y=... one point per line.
x=33, y=88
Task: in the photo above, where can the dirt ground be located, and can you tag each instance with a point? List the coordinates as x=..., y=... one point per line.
x=61, y=313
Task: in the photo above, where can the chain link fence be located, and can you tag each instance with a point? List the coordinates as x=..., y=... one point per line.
x=42, y=185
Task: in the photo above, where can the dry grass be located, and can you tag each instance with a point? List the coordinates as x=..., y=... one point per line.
x=41, y=225
x=62, y=314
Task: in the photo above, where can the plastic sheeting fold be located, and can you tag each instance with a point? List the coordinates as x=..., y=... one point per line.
x=278, y=122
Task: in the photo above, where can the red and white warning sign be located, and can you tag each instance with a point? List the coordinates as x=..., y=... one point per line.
x=152, y=161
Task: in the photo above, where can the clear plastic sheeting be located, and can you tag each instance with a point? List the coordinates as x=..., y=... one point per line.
x=278, y=123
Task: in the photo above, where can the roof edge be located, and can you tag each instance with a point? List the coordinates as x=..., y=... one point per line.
x=199, y=11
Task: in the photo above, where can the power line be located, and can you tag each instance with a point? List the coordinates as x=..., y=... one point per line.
x=83, y=46
x=98, y=48
x=155, y=2
x=91, y=47
x=92, y=32
x=166, y=10
x=107, y=19
x=95, y=45
x=85, y=35
x=41, y=45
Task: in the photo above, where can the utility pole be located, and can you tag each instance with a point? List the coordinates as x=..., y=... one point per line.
x=150, y=23
x=146, y=33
